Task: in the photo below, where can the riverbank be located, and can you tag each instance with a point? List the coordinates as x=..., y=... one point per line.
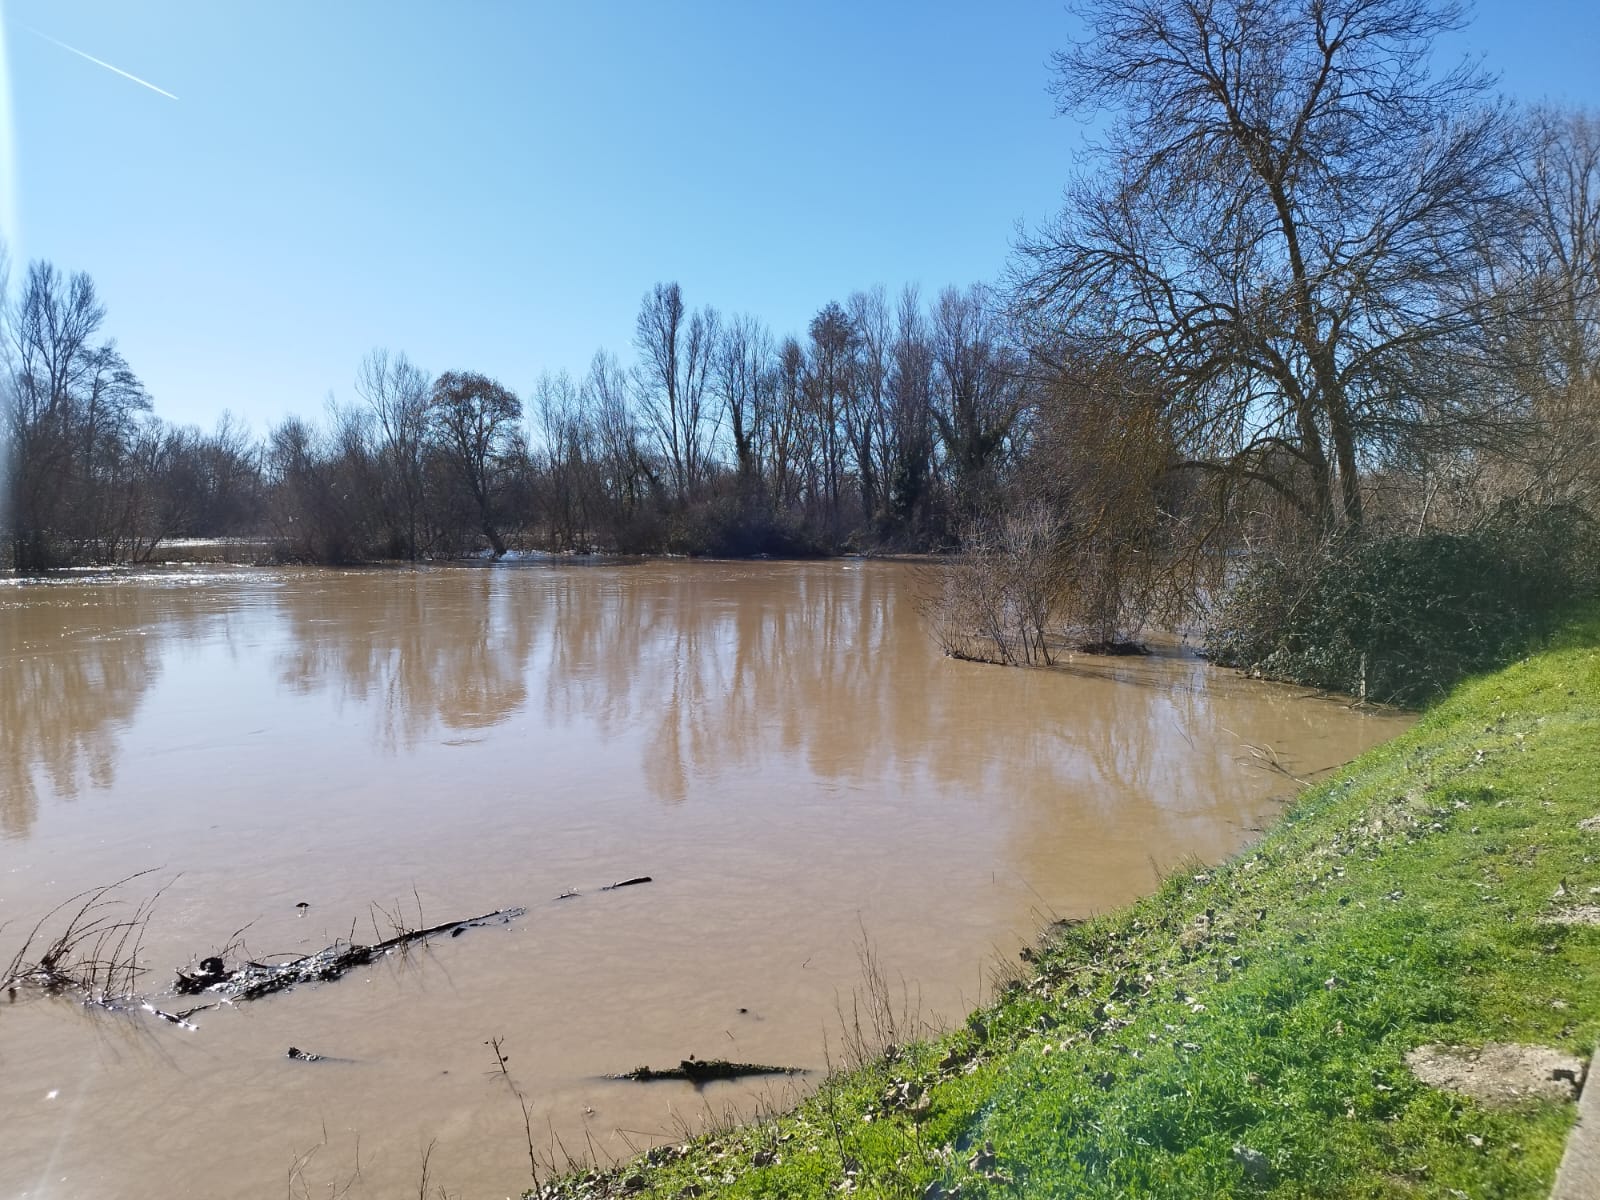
x=1245, y=1030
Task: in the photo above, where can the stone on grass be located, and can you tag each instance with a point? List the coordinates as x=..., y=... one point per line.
x=1500, y=1073
x=1254, y=1164
x=1576, y=914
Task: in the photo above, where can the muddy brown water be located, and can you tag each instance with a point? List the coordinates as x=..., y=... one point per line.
x=781, y=747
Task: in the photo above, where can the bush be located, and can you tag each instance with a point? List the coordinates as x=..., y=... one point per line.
x=724, y=528
x=1001, y=597
x=1400, y=619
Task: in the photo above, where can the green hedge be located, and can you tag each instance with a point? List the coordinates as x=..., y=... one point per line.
x=1400, y=619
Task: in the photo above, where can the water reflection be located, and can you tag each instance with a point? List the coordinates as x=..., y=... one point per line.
x=831, y=667
x=421, y=649
x=678, y=675
x=74, y=668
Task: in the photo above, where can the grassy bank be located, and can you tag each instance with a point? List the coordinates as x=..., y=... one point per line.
x=1243, y=1031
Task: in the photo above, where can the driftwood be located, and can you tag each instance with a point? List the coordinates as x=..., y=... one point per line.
x=309, y=1056
x=252, y=980
x=572, y=893
x=699, y=1071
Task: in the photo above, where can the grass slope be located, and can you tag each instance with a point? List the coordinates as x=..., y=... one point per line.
x=1243, y=1031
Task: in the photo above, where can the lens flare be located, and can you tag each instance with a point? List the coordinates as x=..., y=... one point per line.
x=10, y=249
x=9, y=233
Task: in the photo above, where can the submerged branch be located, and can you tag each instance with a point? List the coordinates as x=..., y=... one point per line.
x=699, y=1071
x=252, y=980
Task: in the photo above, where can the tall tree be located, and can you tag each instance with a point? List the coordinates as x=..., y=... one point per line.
x=787, y=427
x=625, y=466
x=71, y=409
x=1284, y=225
x=397, y=391
x=867, y=412
x=978, y=393
x=908, y=463
x=675, y=350
x=475, y=422
x=1545, y=295
x=831, y=380
x=743, y=360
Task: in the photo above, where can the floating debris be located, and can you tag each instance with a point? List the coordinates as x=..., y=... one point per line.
x=698, y=1071
x=252, y=980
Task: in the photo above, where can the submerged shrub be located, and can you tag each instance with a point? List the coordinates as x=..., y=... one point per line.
x=1399, y=619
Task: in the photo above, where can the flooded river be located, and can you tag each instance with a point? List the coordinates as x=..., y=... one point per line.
x=782, y=748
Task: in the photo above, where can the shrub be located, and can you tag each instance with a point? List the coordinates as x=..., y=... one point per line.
x=724, y=528
x=1399, y=619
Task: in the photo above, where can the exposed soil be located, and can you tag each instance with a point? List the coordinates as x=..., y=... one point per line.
x=1499, y=1074
x=1578, y=914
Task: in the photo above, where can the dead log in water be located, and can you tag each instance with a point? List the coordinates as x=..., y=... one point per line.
x=573, y=893
x=698, y=1071
x=251, y=980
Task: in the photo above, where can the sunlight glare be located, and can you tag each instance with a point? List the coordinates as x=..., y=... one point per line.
x=9, y=245
x=8, y=152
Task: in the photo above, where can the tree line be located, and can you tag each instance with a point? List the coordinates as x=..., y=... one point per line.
x=884, y=425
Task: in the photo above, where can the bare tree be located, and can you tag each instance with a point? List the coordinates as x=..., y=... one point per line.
x=787, y=431
x=829, y=386
x=743, y=363
x=1546, y=292
x=866, y=415
x=475, y=420
x=567, y=450
x=676, y=349
x=397, y=391
x=71, y=414
x=625, y=466
x=1285, y=225
x=979, y=391
x=908, y=451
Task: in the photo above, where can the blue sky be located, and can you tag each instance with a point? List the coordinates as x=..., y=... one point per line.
x=493, y=186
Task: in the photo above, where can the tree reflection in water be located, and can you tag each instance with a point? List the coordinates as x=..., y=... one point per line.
x=701, y=672
x=75, y=664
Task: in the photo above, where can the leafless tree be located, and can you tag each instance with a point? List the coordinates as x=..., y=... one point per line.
x=475, y=422
x=624, y=464
x=568, y=453
x=829, y=386
x=867, y=413
x=676, y=349
x=908, y=450
x=1546, y=292
x=72, y=409
x=743, y=367
x=786, y=429
x=979, y=390
x=1285, y=222
x=398, y=393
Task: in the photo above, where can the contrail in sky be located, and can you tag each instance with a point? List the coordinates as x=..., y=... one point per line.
x=100, y=62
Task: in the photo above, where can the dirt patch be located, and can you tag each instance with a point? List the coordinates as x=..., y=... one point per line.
x=1500, y=1073
x=1590, y=824
x=1578, y=914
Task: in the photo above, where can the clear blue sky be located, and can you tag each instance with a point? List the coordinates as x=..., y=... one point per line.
x=493, y=186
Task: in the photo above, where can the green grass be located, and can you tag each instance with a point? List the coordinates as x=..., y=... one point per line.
x=1243, y=1031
